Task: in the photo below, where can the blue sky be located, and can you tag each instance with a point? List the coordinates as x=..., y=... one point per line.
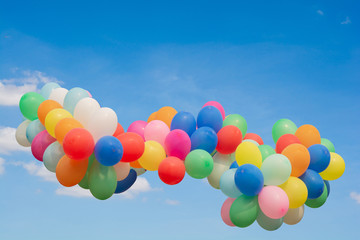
x=263, y=60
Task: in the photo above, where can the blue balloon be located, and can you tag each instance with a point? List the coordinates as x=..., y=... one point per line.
x=47, y=89
x=227, y=184
x=73, y=97
x=319, y=157
x=204, y=138
x=234, y=165
x=108, y=150
x=33, y=129
x=126, y=183
x=210, y=116
x=249, y=179
x=184, y=121
x=327, y=187
x=313, y=182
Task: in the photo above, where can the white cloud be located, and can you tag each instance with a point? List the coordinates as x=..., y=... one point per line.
x=74, y=191
x=2, y=169
x=355, y=196
x=8, y=142
x=320, y=12
x=172, y=202
x=37, y=169
x=140, y=186
x=346, y=21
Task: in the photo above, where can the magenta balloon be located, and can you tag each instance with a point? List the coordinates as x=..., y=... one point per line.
x=225, y=211
x=218, y=106
x=273, y=202
x=138, y=127
x=177, y=144
x=40, y=143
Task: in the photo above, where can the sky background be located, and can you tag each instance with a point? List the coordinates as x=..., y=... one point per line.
x=263, y=60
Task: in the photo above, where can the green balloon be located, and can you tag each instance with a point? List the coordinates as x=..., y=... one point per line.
x=29, y=104
x=266, y=151
x=199, y=164
x=102, y=181
x=268, y=223
x=328, y=144
x=281, y=127
x=318, y=202
x=244, y=211
x=85, y=181
x=236, y=120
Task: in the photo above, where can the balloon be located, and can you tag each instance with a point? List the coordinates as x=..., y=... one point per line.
x=52, y=155
x=108, y=151
x=276, y=169
x=249, y=179
x=184, y=121
x=70, y=172
x=119, y=130
x=335, y=169
x=177, y=143
x=328, y=144
x=236, y=120
x=267, y=223
x=102, y=181
x=244, y=211
x=294, y=215
x=84, y=183
x=210, y=116
x=266, y=151
x=319, y=157
x=225, y=211
x=29, y=104
x=284, y=141
x=84, y=109
x=64, y=126
x=255, y=137
x=273, y=202
x=20, y=134
x=152, y=117
x=228, y=185
x=78, y=144
x=221, y=164
x=133, y=146
x=156, y=131
x=308, y=135
x=33, y=129
x=248, y=152
x=153, y=154
x=318, y=202
x=296, y=190
x=58, y=95
x=53, y=117
x=40, y=143
x=166, y=114
x=327, y=187
x=48, y=88
x=103, y=122
x=234, y=165
x=199, y=164
x=122, y=170
x=45, y=107
x=204, y=138
x=171, y=170
x=73, y=97
x=252, y=141
x=313, y=182
x=282, y=127
x=139, y=171
x=126, y=183
x=135, y=164
x=229, y=138
x=299, y=158
x=218, y=106
x=138, y=127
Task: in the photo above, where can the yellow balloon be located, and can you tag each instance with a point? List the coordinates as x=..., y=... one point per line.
x=296, y=191
x=248, y=152
x=153, y=155
x=335, y=169
x=53, y=117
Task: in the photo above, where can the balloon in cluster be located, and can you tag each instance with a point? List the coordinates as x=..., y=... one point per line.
x=229, y=138
x=204, y=138
x=218, y=106
x=108, y=150
x=313, y=182
x=78, y=144
x=171, y=170
x=184, y=121
x=299, y=158
x=227, y=184
x=199, y=164
x=126, y=183
x=238, y=121
x=319, y=157
x=133, y=146
x=244, y=211
x=29, y=104
x=308, y=135
x=249, y=179
x=40, y=143
x=210, y=116
x=282, y=127
x=138, y=127
x=177, y=143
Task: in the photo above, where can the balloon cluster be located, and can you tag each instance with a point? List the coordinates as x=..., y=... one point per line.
x=84, y=144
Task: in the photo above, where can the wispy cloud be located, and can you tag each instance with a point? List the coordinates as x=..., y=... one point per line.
x=355, y=196
x=8, y=142
x=2, y=169
x=37, y=169
x=140, y=186
x=320, y=12
x=346, y=21
x=75, y=191
x=172, y=202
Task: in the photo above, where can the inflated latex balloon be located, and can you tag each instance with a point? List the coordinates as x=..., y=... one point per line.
x=70, y=172
x=108, y=150
x=119, y=130
x=48, y=88
x=299, y=158
x=236, y=120
x=244, y=211
x=20, y=134
x=139, y=171
x=229, y=138
x=153, y=154
x=225, y=211
x=166, y=114
x=273, y=202
x=267, y=223
x=177, y=144
x=58, y=95
x=276, y=169
x=45, y=107
x=248, y=152
x=78, y=144
x=184, y=121
x=204, y=138
x=211, y=117
x=156, y=131
x=218, y=106
x=222, y=163
x=126, y=183
x=318, y=202
x=296, y=190
x=252, y=141
x=64, y=126
x=29, y=104
x=138, y=127
x=294, y=215
x=152, y=117
x=328, y=144
x=199, y=164
x=84, y=109
x=133, y=146
x=40, y=143
x=171, y=170
x=266, y=151
x=282, y=127
x=319, y=157
x=249, y=179
x=84, y=183
x=228, y=185
x=335, y=169
x=52, y=155
x=53, y=118
x=102, y=181
x=73, y=97
x=255, y=137
x=313, y=182
x=103, y=122
x=308, y=135
x=284, y=141
x=122, y=170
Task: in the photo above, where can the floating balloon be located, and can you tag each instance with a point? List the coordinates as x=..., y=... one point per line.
x=222, y=163
x=103, y=122
x=318, y=202
x=299, y=158
x=108, y=150
x=177, y=144
x=78, y=144
x=20, y=134
x=313, y=182
x=319, y=157
x=153, y=154
x=282, y=127
x=138, y=127
x=126, y=183
x=328, y=144
x=335, y=169
x=133, y=146
x=84, y=183
x=171, y=170
x=199, y=164
x=122, y=170
x=308, y=135
x=236, y=120
x=102, y=180
x=73, y=97
x=152, y=117
x=119, y=130
x=248, y=152
x=204, y=138
x=70, y=172
x=184, y=121
x=244, y=211
x=210, y=116
x=29, y=104
x=225, y=211
x=45, y=107
x=266, y=151
x=273, y=202
x=166, y=114
x=64, y=126
x=58, y=95
x=84, y=109
x=228, y=185
x=40, y=143
x=157, y=131
x=276, y=169
x=53, y=118
x=249, y=179
x=48, y=88
x=218, y=106
x=229, y=138
x=296, y=191
x=294, y=215
x=255, y=137
x=52, y=155
x=284, y=141
x=267, y=223
x=33, y=129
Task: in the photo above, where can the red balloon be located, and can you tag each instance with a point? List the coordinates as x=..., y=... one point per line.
x=229, y=138
x=78, y=144
x=284, y=141
x=171, y=170
x=119, y=130
x=255, y=137
x=133, y=145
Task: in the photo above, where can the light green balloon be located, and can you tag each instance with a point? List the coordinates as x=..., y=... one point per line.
x=318, y=202
x=236, y=120
x=281, y=127
x=327, y=143
x=266, y=151
x=199, y=164
x=102, y=180
x=29, y=104
x=268, y=223
x=52, y=155
x=244, y=211
x=276, y=169
x=85, y=181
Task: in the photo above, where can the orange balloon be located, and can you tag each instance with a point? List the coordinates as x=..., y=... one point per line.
x=119, y=130
x=151, y=117
x=135, y=164
x=299, y=158
x=64, y=126
x=308, y=135
x=70, y=172
x=166, y=114
x=45, y=107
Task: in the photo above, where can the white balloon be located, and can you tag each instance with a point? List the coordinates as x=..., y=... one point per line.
x=103, y=122
x=58, y=94
x=294, y=215
x=222, y=163
x=84, y=109
x=20, y=134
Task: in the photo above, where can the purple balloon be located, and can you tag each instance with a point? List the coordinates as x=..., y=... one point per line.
x=40, y=143
x=138, y=127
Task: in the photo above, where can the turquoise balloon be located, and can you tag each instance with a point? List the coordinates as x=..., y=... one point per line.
x=227, y=184
x=327, y=143
x=268, y=223
x=266, y=151
x=84, y=183
x=34, y=128
x=102, y=181
x=73, y=97
x=52, y=155
x=47, y=89
x=281, y=127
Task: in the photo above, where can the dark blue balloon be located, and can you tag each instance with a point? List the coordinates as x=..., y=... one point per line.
x=313, y=182
x=108, y=150
x=234, y=165
x=327, y=187
x=249, y=179
x=319, y=157
x=184, y=121
x=210, y=116
x=126, y=183
x=204, y=138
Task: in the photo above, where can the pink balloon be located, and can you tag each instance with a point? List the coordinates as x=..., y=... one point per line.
x=217, y=105
x=40, y=143
x=273, y=202
x=156, y=130
x=138, y=127
x=89, y=93
x=225, y=211
x=177, y=144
